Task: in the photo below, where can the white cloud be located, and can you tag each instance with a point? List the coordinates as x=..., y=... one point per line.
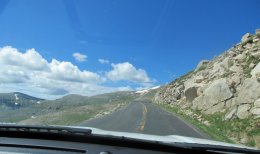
x=30, y=59
x=103, y=61
x=30, y=73
x=80, y=57
x=127, y=72
x=68, y=72
x=12, y=75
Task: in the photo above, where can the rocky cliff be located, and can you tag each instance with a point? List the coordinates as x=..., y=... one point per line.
x=228, y=83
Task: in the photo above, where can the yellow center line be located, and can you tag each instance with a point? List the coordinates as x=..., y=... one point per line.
x=142, y=123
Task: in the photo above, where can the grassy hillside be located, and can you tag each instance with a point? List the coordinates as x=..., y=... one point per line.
x=73, y=116
x=16, y=100
x=69, y=109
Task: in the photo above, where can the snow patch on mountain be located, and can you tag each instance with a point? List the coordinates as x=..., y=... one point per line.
x=145, y=91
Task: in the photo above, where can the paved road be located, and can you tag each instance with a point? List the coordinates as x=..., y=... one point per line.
x=144, y=117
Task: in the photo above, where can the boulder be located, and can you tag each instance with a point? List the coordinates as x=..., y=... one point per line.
x=216, y=108
x=191, y=93
x=199, y=103
x=225, y=63
x=248, y=46
x=236, y=69
x=245, y=37
x=234, y=80
x=177, y=95
x=203, y=73
x=243, y=111
x=256, y=117
x=255, y=111
x=239, y=49
x=255, y=70
x=244, y=140
x=230, y=103
x=255, y=40
x=249, y=91
x=201, y=63
x=257, y=31
x=199, y=79
x=254, y=50
x=257, y=75
x=240, y=58
x=256, y=54
x=232, y=54
x=217, y=69
x=257, y=103
x=217, y=92
x=200, y=91
x=206, y=123
x=189, y=82
x=252, y=65
x=231, y=114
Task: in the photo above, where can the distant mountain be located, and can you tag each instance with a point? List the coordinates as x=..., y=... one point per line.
x=17, y=100
x=73, y=99
x=69, y=109
x=28, y=97
x=148, y=94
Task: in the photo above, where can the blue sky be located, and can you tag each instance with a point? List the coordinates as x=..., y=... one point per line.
x=159, y=39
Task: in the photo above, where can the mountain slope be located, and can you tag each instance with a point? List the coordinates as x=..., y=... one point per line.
x=17, y=100
x=67, y=110
x=222, y=92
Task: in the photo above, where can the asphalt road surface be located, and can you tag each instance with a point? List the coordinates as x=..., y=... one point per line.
x=144, y=117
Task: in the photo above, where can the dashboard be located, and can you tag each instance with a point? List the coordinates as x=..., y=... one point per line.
x=15, y=139
x=22, y=146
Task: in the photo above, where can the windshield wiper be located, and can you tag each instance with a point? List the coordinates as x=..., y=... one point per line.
x=44, y=129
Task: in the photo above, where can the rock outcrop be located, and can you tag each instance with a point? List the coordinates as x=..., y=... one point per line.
x=229, y=83
x=213, y=97
x=256, y=71
x=201, y=64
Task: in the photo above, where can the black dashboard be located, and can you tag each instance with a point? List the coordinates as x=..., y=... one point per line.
x=21, y=146
x=15, y=139
x=55, y=140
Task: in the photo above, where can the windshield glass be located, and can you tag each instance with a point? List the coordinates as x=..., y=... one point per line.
x=159, y=67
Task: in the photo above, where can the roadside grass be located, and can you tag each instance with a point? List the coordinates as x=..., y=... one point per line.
x=13, y=116
x=218, y=129
x=72, y=116
x=14, y=119
x=212, y=131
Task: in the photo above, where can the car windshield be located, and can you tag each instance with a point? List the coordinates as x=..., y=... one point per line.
x=158, y=67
